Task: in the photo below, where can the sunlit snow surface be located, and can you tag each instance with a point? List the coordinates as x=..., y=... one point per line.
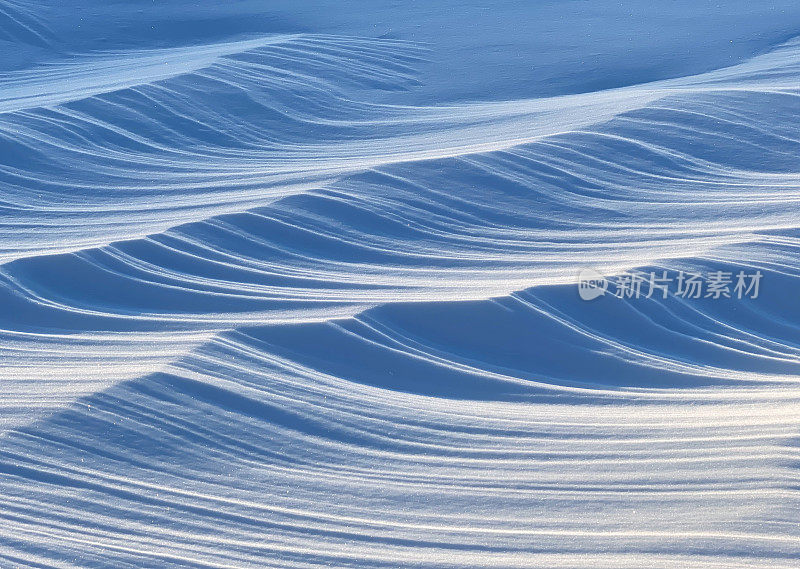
x=293, y=284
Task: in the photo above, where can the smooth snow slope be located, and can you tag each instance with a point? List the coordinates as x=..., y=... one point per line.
x=293, y=285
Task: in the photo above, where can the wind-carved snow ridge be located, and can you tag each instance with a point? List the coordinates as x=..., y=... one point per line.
x=252, y=318
x=179, y=135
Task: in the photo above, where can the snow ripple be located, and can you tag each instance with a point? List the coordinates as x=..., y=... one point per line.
x=253, y=319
